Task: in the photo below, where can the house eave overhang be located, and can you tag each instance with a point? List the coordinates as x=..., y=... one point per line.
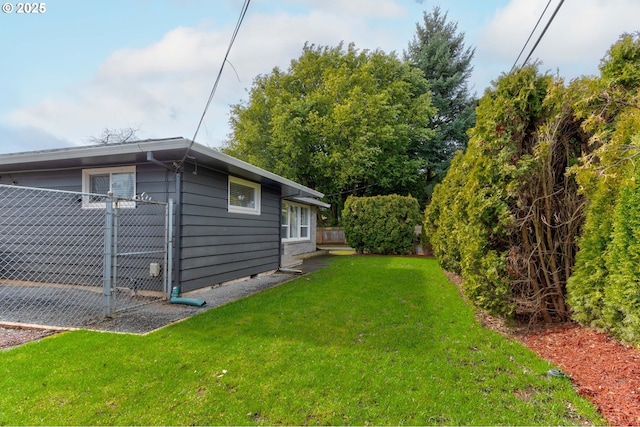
x=169, y=151
x=309, y=201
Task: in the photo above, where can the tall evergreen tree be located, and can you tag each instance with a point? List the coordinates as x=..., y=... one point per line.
x=438, y=50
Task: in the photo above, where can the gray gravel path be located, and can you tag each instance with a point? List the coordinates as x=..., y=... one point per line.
x=156, y=315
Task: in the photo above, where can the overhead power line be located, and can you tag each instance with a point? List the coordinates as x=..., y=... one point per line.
x=555, y=12
x=243, y=12
x=531, y=35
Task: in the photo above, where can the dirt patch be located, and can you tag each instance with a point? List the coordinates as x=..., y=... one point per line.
x=14, y=336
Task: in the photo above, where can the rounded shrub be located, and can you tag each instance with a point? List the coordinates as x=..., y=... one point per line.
x=381, y=224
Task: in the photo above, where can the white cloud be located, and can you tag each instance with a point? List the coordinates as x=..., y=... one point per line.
x=182, y=50
x=362, y=8
x=27, y=138
x=576, y=40
x=163, y=87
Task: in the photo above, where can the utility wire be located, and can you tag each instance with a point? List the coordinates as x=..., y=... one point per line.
x=243, y=12
x=543, y=31
x=531, y=35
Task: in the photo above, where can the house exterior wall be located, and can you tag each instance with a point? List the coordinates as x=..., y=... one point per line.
x=153, y=180
x=44, y=236
x=218, y=245
x=68, y=180
x=215, y=245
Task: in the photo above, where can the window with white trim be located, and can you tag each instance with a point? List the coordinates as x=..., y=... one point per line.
x=121, y=181
x=294, y=222
x=244, y=196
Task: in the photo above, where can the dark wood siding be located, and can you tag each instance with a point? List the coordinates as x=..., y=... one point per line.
x=68, y=180
x=219, y=246
x=150, y=179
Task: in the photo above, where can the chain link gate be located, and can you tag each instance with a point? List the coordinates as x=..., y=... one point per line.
x=136, y=266
x=63, y=264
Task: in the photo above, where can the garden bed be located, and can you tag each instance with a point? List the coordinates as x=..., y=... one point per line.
x=603, y=370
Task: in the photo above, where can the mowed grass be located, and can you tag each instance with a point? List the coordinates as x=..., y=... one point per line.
x=367, y=340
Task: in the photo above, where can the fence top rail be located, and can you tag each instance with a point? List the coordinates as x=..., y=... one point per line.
x=138, y=198
x=49, y=190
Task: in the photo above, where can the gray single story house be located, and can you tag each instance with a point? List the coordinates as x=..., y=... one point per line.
x=232, y=219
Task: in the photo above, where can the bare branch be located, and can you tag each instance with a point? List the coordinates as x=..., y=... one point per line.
x=116, y=136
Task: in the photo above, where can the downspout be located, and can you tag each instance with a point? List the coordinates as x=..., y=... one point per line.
x=177, y=235
x=177, y=215
x=175, y=299
x=176, y=241
x=177, y=238
x=280, y=243
x=177, y=253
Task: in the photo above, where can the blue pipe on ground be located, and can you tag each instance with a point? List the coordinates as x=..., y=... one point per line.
x=175, y=299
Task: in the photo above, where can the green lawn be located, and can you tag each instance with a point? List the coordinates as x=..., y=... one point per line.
x=368, y=340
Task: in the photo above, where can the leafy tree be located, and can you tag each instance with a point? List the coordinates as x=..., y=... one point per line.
x=547, y=163
x=342, y=121
x=438, y=50
x=621, y=311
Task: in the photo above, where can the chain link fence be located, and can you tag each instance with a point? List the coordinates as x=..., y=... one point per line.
x=69, y=259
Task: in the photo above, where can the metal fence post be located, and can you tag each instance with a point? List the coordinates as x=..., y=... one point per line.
x=114, y=254
x=107, y=274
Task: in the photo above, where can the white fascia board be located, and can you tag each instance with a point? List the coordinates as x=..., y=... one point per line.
x=152, y=145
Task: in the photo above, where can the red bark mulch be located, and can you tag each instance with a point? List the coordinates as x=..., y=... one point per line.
x=603, y=370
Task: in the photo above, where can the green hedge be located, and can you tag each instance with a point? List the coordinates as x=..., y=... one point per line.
x=604, y=290
x=381, y=224
x=541, y=214
x=472, y=215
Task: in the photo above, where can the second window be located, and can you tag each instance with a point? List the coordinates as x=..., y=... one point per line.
x=295, y=221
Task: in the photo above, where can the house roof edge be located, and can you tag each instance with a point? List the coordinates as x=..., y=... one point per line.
x=152, y=145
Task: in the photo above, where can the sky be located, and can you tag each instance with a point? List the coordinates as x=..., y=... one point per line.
x=80, y=67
